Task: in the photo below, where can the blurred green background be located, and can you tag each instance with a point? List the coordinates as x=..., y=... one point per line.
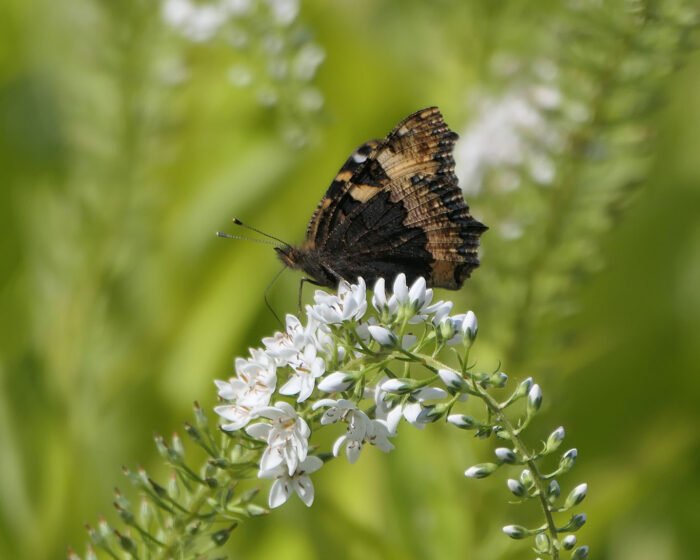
x=131, y=131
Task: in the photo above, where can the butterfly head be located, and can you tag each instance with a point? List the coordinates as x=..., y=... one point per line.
x=310, y=261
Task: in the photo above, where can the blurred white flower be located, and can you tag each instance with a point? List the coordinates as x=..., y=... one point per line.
x=512, y=131
x=236, y=7
x=287, y=437
x=299, y=482
x=198, y=22
x=275, y=54
x=307, y=61
x=284, y=11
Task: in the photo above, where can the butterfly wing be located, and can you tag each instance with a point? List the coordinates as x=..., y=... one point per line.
x=400, y=209
x=336, y=204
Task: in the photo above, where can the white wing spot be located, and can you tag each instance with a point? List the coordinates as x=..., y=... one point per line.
x=359, y=158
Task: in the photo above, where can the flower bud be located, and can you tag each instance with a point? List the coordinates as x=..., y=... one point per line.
x=433, y=412
x=399, y=386
x=177, y=447
x=580, y=553
x=543, y=543
x=568, y=460
x=222, y=535
x=516, y=487
x=161, y=446
x=481, y=470
x=534, y=400
x=506, y=455
x=146, y=512
x=575, y=523
x=576, y=496
x=454, y=381
x=498, y=379
x=463, y=421
x=336, y=382
x=255, y=510
x=446, y=329
x=527, y=479
x=516, y=531
x=470, y=327
x=523, y=389
x=199, y=416
x=554, y=440
x=569, y=542
x=553, y=491
x=173, y=487
x=382, y=335
x=103, y=528
x=126, y=542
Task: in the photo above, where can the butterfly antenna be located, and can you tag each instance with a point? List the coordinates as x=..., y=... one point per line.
x=240, y=237
x=267, y=299
x=251, y=228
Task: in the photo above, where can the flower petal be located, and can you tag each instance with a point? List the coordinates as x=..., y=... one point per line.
x=279, y=492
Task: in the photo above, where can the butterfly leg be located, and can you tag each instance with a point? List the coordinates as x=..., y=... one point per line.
x=301, y=290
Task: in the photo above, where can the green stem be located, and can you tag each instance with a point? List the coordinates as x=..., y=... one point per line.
x=495, y=409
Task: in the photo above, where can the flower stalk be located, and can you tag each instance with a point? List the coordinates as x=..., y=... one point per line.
x=368, y=365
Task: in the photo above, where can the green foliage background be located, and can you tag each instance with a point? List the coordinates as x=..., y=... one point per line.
x=119, y=306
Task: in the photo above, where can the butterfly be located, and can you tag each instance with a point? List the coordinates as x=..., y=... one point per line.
x=395, y=206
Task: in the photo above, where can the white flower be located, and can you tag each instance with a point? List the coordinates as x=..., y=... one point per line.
x=287, y=437
x=378, y=434
x=411, y=409
x=307, y=368
x=284, y=346
x=361, y=429
x=465, y=327
x=413, y=301
x=366, y=430
x=439, y=310
x=342, y=410
x=350, y=304
x=250, y=391
x=299, y=482
x=324, y=341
